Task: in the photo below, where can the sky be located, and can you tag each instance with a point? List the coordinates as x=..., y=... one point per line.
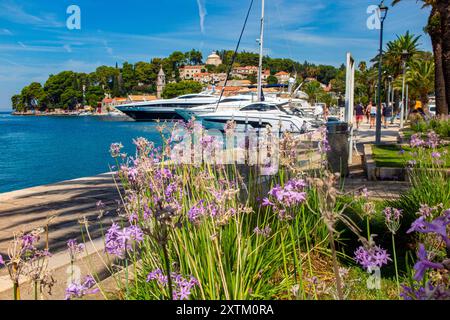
x=35, y=40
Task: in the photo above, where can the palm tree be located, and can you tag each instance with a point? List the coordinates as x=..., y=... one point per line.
x=437, y=28
x=394, y=51
x=420, y=78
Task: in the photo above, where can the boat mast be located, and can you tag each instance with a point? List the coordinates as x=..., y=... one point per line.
x=261, y=45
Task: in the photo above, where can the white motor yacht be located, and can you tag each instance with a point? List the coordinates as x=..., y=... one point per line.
x=165, y=109
x=258, y=115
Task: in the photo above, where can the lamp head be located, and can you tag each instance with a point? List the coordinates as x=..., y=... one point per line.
x=383, y=10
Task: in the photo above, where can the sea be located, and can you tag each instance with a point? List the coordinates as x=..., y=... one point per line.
x=46, y=149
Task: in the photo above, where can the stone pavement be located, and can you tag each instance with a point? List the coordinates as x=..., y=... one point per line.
x=67, y=201
x=380, y=190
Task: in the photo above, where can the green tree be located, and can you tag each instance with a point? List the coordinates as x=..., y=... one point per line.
x=128, y=77
x=438, y=27
x=184, y=87
x=272, y=79
x=313, y=90
x=194, y=57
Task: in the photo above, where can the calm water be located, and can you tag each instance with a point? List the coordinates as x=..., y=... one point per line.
x=42, y=150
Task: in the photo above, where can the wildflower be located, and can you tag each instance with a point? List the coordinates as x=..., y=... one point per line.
x=77, y=290
x=181, y=286
x=392, y=218
x=433, y=140
x=324, y=145
x=196, y=212
x=424, y=264
x=369, y=208
x=401, y=152
x=437, y=226
x=267, y=203
x=416, y=141
x=2, y=262
x=412, y=163
x=435, y=155
x=158, y=276
x=412, y=293
x=427, y=211
x=74, y=248
x=119, y=241
x=265, y=232
x=364, y=193
x=370, y=258
x=115, y=149
x=143, y=146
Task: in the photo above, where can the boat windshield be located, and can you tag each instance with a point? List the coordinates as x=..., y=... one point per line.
x=260, y=107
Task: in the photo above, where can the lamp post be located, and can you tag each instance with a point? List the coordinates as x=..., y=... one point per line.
x=405, y=56
x=383, y=13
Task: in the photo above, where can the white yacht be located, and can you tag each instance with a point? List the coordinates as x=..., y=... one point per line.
x=232, y=103
x=259, y=115
x=165, y=109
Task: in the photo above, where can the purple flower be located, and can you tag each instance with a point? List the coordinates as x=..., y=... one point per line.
x=416, y=141
x=114, y=149
x=181, y=286
x=119, y=241
x=392, y=218
x=79, y=290
x=265, y=232
x=196, y=212
x=2, y=262
x=424, y=264
x=370, y=258
x=433, y=140
x=158, y=276
x=437, y=226
x=435, y=155
x=267, y=203
x=74, y=248
x=412, y=293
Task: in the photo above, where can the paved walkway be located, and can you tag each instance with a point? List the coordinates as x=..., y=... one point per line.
x=380, y=190
x=67, y=201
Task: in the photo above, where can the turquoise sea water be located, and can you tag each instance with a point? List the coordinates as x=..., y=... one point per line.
x=42, y=150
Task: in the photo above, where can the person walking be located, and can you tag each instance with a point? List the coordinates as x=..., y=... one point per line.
x=387, y=114
x=373, y=114
x=359, y=113
x=369, y=106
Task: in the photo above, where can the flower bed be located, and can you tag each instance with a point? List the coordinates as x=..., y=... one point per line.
x=204, y=231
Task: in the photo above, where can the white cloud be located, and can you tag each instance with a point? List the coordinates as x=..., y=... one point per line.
x=5, y=32
x=15, y=13
x=202, y=14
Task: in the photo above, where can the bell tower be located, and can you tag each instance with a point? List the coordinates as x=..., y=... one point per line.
x=160, y=83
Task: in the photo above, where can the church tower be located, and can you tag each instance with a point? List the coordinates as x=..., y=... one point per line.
x=160, y=83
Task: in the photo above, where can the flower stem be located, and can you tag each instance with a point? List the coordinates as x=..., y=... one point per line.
x=169, y=278
x=336, y=268
x=16, y=290
x=395, y=264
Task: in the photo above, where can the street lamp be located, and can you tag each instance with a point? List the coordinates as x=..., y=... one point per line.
x=405, y=56
x=383, y=13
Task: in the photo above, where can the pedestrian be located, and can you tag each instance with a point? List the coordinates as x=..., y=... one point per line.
x=387, y=114
x=359, y=113
x=373, y=115
x=369, y=106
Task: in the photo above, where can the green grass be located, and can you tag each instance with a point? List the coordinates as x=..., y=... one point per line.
x=389, y=156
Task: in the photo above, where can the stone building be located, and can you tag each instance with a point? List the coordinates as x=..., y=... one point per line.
x=160, y=83
x=214, y=59
x=188, y=72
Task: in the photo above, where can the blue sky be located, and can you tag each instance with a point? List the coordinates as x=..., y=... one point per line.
x=34, y=39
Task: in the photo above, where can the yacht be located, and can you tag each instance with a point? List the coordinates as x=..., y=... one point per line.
x=232, y=103
x=165, y=109
x=259, y=115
